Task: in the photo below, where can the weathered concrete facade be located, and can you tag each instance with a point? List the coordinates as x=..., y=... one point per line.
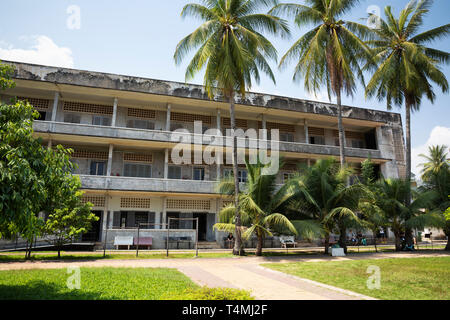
x=121, y=129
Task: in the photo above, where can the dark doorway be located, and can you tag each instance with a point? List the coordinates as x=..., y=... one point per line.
x=174, y=224
x=93, y=235
x=201, y=225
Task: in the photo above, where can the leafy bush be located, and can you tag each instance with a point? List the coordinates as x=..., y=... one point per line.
x=206, y=293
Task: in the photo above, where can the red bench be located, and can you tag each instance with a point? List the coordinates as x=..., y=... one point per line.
x=143, y=241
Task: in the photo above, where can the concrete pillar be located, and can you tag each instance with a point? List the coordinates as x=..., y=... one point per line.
x=169, y=107
x=166, y=164
x=164, y=212
x=306, y=131
x=55, y=106
x=50, y=144
x=114, y=116
x=264, y=126
x=110, y=155
x=157, y=220
x=105, y=218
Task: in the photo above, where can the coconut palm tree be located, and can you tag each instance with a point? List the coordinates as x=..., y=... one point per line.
x=406, y=66
x=436, y=178
x=402, y=216
x=333, y=53
x=259, y=204
x=322, y=193
x=232, y=51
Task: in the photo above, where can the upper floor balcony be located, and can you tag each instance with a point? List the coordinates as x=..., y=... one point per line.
x=162, y=138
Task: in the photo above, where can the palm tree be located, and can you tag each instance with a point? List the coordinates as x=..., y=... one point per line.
x=436, y=178
x=232, y=50
x=405, y=65
x=400, y=215
x=258, y=206
x=333, y=53
x=322, y=193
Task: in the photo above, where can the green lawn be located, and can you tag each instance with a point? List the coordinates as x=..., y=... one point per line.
x=74, y=256
x=108, y=284
x=401, y=278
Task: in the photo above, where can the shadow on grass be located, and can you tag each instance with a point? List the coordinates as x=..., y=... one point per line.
x=41, y=290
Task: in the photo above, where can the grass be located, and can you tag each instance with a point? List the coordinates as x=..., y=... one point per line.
x=78, y=256
x=401, y=278
x=109, y=284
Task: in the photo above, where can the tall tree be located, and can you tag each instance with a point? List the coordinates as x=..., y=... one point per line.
x=6, y=72
x=333, y=53
x=322, y=194
x=259, y=205
x=436, y=178
x=406, y=66
x=232, y=51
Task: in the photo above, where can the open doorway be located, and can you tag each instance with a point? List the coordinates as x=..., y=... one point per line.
x=93, y=235
x=202, y=222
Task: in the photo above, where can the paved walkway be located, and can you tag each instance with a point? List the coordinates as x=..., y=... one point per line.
x=239, y=272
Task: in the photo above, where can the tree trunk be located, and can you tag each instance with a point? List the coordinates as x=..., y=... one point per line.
x=398, y=245
x=408, y=151
x=409, y=236
x=259, y=245
x=374, y=232
x=343, y=237
x=238, y=244
x=327, y=242
x=447, y=233
x=341, y=129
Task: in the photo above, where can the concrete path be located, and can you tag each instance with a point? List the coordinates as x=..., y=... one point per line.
x=240, y=272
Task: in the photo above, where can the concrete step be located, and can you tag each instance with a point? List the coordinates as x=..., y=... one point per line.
x=208, y=245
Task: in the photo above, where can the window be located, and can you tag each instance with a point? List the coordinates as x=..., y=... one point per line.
x=137, y=170
x=317, y=140
x=72, y=118
x=140, y=124
x=97, y=168
x=228, y=172
x=101, y=121
x=242, y=175
x=141, y=218
x=287, y=176
x=42, y=115
x=174, y=172
x=336, y=142
x=123, y=220
x=199, y=174
x=358, y=144
x=286, y=136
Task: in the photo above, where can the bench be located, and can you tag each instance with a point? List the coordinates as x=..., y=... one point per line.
x=287, y=241
x=143, y=241
x=179, y=240
x=123, y=241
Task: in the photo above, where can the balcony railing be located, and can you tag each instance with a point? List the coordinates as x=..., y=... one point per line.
x=166, y=136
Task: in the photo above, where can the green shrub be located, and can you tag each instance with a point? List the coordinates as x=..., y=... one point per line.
x=206, y=293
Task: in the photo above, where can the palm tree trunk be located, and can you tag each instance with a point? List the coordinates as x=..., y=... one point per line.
x=447, y=233
x=343, y=237
x=341, y=129
x=259, y=245
x=375, y=240
x=238, y=245
x=398, y=245
x=408, y=150
x=327, y=242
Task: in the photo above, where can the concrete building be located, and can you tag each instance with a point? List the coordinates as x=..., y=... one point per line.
x=120, y=128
